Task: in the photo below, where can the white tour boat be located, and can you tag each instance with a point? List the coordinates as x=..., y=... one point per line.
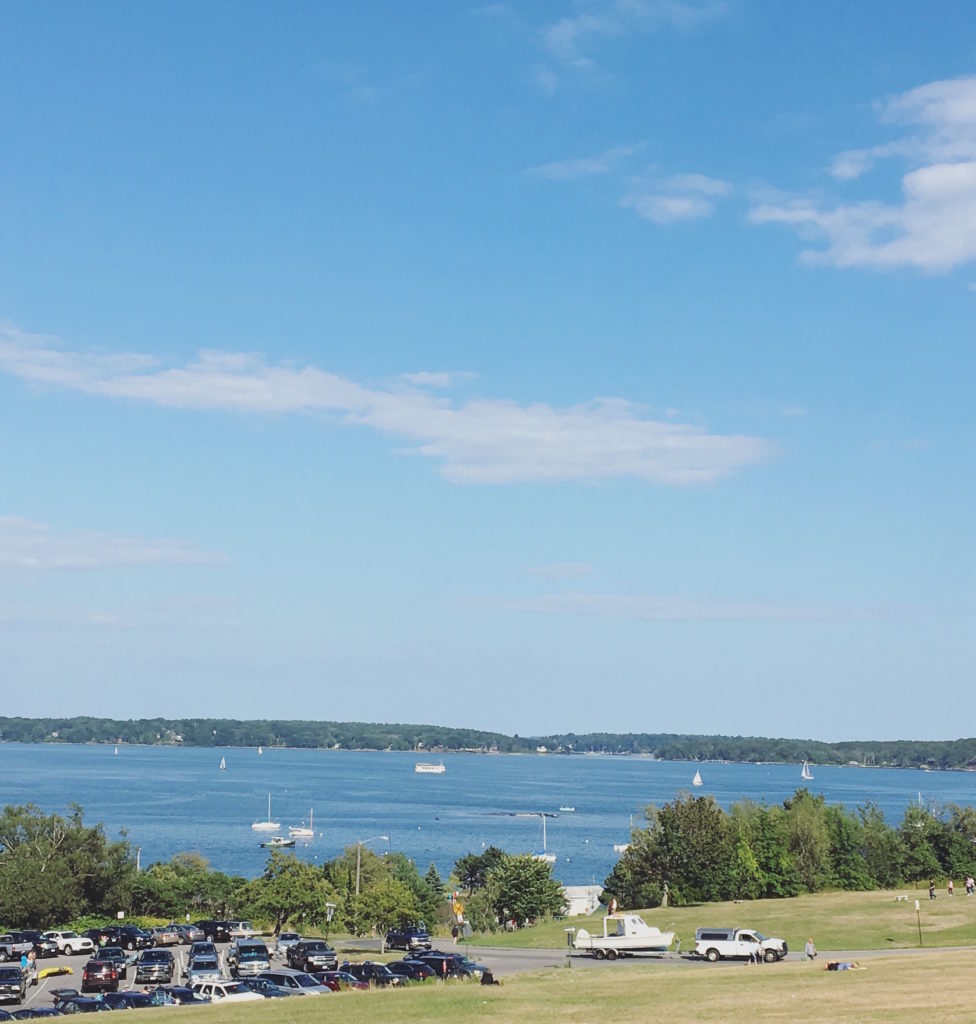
x=429, y=768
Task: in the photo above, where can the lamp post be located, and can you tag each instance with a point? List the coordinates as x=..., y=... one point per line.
x=359, y=854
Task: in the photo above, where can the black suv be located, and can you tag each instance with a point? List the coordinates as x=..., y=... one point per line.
x=373, y=974
x=155, y=965
x=408, y=938
x=128, y=936
x=214, y=931
x=312, y=955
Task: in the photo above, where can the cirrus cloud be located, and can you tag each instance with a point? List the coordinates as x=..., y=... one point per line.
x=487, y=441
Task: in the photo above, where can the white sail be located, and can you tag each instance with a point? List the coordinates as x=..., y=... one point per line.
x=223, y=765
x=806, y=774
x=697, y=780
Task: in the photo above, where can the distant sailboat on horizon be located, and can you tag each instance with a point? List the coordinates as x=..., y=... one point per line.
x=697, y=780
x=806, y=774
x=223, y=765
x=260, y=750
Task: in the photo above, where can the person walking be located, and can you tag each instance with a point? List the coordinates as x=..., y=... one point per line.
x=810, y=950
x=970, y=885
x=931, y=888
x=951, y=888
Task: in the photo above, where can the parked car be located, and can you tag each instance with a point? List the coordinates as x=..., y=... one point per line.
x=99, y=976
x=248, y=961
x=374, y=974
x=13, y=949
x=176, y=995
x=35, y=1013
x=155, y=965
x=240, y=929
x=412, y=970
x=298, y=983
x=83, y=1004
x=202, y=948
x=202, y=968
x=263, y=987
x=339, y=980
x=97, y=936
x=42, y=947
x=188, y=933
x=415, y=937
x=165, y=935
x=13, y=985
x=117, y=955
x=128, y=936
x=444, y=965
x=70, y=943
x=312, y=955
x=284, y=940
x=215, y=931
x=128, y=1000
x=229, y=991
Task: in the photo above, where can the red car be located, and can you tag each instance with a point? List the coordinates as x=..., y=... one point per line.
x=100, y=976
x=337, y=980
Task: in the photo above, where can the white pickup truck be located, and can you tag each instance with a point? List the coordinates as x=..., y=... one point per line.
x=738, y=944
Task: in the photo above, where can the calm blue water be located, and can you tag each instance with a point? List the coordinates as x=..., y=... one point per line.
x=169, y=799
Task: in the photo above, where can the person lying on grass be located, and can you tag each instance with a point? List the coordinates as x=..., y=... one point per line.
x=842, y=965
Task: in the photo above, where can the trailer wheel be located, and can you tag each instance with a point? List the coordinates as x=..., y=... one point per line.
x=711, y=955
x=611, y=954
x=599, y=954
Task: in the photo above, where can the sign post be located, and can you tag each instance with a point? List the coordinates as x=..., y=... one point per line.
x=918, y=918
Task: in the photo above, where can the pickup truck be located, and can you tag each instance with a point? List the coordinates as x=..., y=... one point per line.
x=408, y=938
x=738, y=944
x=12, y=949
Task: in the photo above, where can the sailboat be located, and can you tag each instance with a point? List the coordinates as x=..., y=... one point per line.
x=260, y=750
x=697, y=780
x=549, y=858
x=806, y=774
x=116, y=751
x=300, y=831
x=223, y=767
x=268, y=825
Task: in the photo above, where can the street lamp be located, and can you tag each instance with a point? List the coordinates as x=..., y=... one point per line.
x=359, y=854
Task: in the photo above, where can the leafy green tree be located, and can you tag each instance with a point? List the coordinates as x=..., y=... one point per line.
x=472, y=869
x=848, y=866
x=764, y=829
x=525, y=889
x=290, y=889
x=384, y=904
x=635, y=881
x=884, y=854
x=808, y=838
x=920, y=833
x=54, y=868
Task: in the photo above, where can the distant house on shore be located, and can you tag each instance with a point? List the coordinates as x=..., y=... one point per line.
x=582, y=899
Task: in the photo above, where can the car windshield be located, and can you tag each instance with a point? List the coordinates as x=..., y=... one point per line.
x=306, y=981
x=234, y=987
x=288, y=937
x=68, y=935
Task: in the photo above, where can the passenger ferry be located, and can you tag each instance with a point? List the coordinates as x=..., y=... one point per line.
x=427, y=768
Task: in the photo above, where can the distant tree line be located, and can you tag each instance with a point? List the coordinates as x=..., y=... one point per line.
x=202, y=732
x=703, y=853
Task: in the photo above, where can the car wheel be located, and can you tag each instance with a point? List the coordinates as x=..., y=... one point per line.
x=769, y=956
x=131, y=945
x=711, y=956
x=68, y=950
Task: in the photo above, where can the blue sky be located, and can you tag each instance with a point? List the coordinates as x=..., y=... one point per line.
x=534, y=367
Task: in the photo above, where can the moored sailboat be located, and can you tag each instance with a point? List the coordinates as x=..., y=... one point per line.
x=268, y=825
x=301, y=831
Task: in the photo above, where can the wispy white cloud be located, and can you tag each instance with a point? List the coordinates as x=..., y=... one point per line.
x=561, y=570
x=567, y=39
x=25, y=544
x=488, y=441
x=933, y=227
x=436, y=379
x=188, y=612
x=654, y=608
x=583, y=167
x=679, y=197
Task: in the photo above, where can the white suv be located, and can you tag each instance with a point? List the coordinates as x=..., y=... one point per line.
x=70, y=943
x=226, y=992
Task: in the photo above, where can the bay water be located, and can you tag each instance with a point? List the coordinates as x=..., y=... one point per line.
x=172, y=799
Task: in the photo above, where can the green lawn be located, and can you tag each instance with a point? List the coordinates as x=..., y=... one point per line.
x=897, y=990
x=861, y=920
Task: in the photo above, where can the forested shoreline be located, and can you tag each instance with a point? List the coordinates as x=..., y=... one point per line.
x=221, y=732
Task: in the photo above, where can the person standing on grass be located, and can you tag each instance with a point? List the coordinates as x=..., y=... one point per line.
x=931, y=888
x=950, y=888
x=810, y=950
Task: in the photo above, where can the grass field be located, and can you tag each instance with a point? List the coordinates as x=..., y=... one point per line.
x=860, y=920
x=908, y=989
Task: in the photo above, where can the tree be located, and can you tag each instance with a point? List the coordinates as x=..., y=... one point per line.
x=884, y=854
x=385, y=904
x=920, y=833
x=808, y=838
x=53, y=868
x=525, y=889
x=472, y=869
x=290, y=888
